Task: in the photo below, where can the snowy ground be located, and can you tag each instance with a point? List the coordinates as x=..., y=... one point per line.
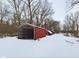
x=57, y=46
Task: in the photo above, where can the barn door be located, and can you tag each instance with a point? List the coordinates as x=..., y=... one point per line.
x=27, y=33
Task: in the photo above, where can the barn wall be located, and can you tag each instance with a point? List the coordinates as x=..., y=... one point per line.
x=39, y=33
x=25, y=32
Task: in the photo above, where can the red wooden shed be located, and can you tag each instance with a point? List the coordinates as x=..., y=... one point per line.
x=28, y=31
x=39, y=33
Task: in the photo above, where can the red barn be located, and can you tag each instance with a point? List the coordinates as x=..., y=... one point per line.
x=28, y=31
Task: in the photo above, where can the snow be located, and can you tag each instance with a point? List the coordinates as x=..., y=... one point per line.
x=49, y=31
x=54, y=46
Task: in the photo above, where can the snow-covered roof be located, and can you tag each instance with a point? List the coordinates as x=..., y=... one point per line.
x=49, y=31
x=27, y=24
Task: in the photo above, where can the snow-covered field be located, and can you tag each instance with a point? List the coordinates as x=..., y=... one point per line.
x=57, y=46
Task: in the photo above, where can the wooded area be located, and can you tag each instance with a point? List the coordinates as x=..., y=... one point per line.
x=16, y=12
x=71, y=23
x=37, y=12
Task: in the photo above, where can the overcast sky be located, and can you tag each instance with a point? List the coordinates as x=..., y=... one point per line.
x=60, y=10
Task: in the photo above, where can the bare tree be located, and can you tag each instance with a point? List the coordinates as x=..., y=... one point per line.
x=72, y=23
x=30, y=9
x=3, y=12
x=38, y=10
x=46, y=11
x=71, y=3
x=17, y=6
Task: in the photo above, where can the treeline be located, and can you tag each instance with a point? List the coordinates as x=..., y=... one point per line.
x=7, y=29
x=71, y=24
x=16, y=12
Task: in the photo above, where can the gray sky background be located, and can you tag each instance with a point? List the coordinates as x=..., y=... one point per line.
x=60, y=10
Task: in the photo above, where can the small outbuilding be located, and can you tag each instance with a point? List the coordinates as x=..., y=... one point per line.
x=29, y=31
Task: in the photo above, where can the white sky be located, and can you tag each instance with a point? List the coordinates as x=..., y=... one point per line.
x=60, y=10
